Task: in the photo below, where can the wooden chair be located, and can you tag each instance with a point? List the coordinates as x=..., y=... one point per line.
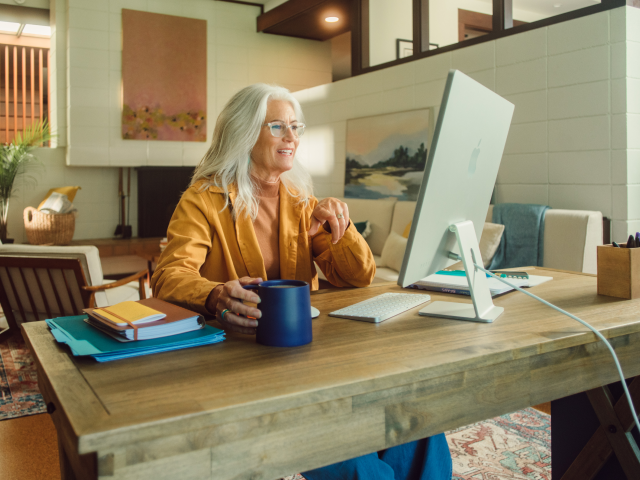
x=36, y=288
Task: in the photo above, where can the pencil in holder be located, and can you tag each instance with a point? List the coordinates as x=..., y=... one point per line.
x=619, y=271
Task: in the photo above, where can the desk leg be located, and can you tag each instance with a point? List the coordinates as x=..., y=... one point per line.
x=613, y=436
x=66, y=471
x=85, y=465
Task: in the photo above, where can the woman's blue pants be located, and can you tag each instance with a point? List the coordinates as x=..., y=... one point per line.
x=426, y=459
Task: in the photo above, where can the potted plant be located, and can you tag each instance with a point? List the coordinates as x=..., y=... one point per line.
x=15, y=159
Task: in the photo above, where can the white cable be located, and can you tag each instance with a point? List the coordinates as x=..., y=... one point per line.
x=598, y=334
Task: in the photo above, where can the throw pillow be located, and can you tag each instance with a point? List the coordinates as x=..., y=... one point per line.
x=364, y=228
x=407, y=230
x=393, y=251
x=489, y=241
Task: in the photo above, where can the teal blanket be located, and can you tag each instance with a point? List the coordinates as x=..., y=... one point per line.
x=522, y=242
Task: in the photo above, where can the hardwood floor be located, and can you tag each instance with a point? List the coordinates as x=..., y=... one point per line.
x=29, y=449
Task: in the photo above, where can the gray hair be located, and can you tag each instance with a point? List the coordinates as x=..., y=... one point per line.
x=237, y=130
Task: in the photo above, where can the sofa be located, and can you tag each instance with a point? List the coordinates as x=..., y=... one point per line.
x=570, y=236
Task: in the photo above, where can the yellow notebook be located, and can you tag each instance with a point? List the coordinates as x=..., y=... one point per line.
x=129, y=313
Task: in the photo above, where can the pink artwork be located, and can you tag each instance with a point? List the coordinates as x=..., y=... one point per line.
x=164, y=77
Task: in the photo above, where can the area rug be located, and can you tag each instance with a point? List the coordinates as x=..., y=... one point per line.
x=19, y=394
x=516, y=446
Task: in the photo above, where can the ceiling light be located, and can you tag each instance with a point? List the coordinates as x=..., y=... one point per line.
x=557, y=5
x=10, y=27
x=39, y=30
x=331, y=19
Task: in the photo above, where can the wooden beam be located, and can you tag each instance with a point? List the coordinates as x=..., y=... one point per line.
x=364, y=34
x=284, y=12
x=356, y=38
x=250, y=4
x=502, y=15
x=420, y=26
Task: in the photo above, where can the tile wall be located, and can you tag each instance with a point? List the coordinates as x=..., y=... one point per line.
x=86, y=83
x=573, y=142
x=237, y=56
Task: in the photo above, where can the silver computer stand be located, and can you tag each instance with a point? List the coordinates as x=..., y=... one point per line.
x=482, y=310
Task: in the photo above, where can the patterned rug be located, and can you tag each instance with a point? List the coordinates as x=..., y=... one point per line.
x=19, y=394
x=516, y=446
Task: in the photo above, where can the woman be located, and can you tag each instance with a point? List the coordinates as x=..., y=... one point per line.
x=248, y=216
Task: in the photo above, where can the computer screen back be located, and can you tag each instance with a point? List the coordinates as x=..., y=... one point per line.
x=461, y=171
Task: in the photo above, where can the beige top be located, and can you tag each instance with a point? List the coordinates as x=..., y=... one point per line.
x=267, y=224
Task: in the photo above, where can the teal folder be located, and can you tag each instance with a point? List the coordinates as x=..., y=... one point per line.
x=85, y=340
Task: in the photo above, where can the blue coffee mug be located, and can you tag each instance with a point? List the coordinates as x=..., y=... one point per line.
x=286, y=313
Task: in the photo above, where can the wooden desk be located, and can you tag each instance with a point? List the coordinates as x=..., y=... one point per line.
x=242, y=410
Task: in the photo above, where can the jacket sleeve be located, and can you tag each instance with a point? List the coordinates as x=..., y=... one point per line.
x=177, y=277
x=348, y=263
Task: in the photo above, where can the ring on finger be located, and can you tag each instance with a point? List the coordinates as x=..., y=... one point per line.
x=339, y=216
x=223, y=312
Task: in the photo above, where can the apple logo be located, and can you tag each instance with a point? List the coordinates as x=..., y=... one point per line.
x=473, y=162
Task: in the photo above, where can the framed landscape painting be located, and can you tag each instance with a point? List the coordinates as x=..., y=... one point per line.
x=164, y=77
x=386, y=155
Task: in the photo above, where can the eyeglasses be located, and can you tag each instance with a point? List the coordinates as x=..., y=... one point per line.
x=279, y=129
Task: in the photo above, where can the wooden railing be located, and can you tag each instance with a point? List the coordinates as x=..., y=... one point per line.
x=23, y=93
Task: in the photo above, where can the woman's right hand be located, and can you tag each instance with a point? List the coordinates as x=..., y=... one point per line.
x=231, y=299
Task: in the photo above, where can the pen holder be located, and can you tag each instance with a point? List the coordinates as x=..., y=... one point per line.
x=619, y=271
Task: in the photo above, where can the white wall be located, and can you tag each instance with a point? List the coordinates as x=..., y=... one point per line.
x=86, y=85
x=237, y=56
x=443, y=17
x=388, y=21
x=576, y=87
x=97, y=202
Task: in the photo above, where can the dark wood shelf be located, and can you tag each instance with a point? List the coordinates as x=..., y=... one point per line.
x=114, y=247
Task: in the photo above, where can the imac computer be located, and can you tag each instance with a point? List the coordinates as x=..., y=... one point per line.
x=459, y=177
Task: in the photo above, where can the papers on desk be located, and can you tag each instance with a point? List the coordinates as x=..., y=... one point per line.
x=85, y=340
x=458, y=284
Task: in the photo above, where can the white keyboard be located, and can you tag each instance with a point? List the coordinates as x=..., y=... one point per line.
x=380, y=308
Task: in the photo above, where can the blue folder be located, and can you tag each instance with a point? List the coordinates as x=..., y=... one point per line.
x=85, y=340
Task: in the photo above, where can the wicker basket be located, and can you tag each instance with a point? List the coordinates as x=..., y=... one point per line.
x=49, y=228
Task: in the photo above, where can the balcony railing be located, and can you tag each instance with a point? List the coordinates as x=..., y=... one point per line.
x=24, y=84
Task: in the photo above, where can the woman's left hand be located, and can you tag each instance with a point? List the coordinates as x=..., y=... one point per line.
x=333, y=211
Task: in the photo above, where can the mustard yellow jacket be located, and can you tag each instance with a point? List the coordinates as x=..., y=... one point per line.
x=206, y=247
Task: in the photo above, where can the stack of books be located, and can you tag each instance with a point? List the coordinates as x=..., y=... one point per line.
x=132, y=329
x=143, y=320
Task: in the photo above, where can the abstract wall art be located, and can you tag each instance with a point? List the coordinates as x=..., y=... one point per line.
x=386, y=155
x=164, y=77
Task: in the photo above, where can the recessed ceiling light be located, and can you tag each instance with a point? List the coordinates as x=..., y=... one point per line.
x=331, y=19
x=557, y=5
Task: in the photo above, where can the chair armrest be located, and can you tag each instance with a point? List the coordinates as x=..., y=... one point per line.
x=136, y=276
x=119, y=283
